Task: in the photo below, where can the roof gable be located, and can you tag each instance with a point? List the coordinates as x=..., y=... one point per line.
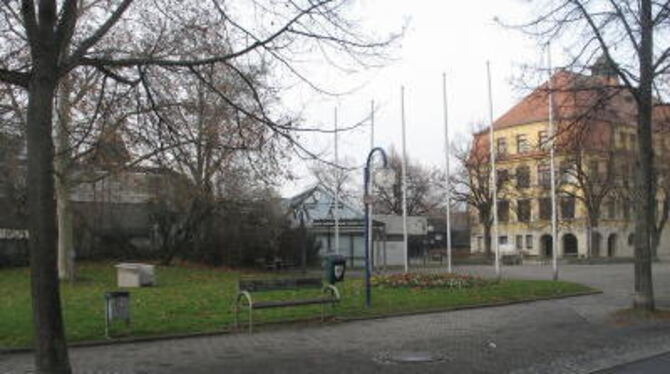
x=318, y=203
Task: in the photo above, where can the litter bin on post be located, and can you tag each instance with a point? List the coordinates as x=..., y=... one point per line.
x=334, y=268
x=117, y=306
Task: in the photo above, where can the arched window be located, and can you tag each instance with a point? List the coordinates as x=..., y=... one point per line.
x=569, y=245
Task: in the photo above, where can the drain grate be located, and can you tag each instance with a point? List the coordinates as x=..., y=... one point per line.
x=410, y=357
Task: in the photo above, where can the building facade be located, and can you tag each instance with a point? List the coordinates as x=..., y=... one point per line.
x=595, y=143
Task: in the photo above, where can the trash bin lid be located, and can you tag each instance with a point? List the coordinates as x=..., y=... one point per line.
x=115, y=294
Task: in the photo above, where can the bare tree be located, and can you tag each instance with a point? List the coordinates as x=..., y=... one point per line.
x=209, y=144
x=423, y=189
x=338, y=177
x=129, y=41
x=623, y=31
x=589, y=112
x=471, y=183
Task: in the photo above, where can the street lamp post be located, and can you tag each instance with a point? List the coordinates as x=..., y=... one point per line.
x=367, y=200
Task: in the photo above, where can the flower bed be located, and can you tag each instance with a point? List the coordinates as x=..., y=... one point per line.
x=422, y=280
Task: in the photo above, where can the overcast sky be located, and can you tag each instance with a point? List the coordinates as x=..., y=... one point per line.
x=455, y=37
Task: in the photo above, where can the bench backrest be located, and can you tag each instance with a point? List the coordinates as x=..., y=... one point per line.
x=255, y=285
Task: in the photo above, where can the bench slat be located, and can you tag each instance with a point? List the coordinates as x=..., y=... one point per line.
x=277, y=304
x=258, y=285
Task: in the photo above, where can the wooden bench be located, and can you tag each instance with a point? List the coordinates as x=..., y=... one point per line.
x=276, y=264
x=245, y=287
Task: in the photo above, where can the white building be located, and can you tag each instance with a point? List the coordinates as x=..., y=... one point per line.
x=316, y=207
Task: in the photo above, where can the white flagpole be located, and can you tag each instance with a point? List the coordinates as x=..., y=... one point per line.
x=336, y=211
x=371, y=185
x=446, y=152
x=552, y=135
x=404, y=179
x=494, y=238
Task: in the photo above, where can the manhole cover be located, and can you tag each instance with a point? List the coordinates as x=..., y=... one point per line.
x=409, y=357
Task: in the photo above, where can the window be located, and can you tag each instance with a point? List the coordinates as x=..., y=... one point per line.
x=611, y=209
x=523, y=210
x=519, y=242
x=479, y=243
x=568, y=207
x=543, y=140
x=523, y=177
x=503, y=210
x=593, y=169
x=502, y=176
x=544, y=175
x=501, y=147
x=502, y=240
x=623, y=138
x=529, y=241
x=567, y=170
x=545, y=208
x=522, y=145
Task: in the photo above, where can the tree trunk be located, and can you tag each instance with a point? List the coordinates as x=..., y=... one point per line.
x=487, y=240
x=644, y=292
x=591, y=226
x=589, y=241
x=66, y=254
x=50, y=346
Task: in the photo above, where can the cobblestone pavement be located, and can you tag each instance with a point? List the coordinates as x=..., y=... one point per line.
x=574, y=335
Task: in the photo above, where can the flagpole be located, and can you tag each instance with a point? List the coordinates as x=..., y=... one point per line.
x=404, y=179
x=336, y=211
x=494, y=239
x=371, y=185
x=446, y=152
x=552, y=136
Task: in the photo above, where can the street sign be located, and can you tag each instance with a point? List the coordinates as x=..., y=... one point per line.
x=368, y=199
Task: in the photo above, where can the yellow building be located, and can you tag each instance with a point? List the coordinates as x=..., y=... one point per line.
x=595, y=142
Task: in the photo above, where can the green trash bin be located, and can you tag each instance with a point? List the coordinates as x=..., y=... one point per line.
x=334, y=267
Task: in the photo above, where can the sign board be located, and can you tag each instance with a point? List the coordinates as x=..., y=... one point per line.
x=338, y=269
x=368, y=199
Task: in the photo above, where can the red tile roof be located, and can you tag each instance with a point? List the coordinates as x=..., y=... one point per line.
x=584, y=109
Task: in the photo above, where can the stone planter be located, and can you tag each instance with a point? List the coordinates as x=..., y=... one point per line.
x=135, y=275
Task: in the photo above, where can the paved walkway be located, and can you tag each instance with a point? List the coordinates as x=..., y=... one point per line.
x=653, y=365
x=573, y=335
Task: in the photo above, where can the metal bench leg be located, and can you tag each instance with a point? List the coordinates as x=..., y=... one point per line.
x=332, y=290
x=237, y=311
x=246, y=295
x=251, y=319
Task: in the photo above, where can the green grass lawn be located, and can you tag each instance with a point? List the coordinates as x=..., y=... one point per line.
x=200, y=300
